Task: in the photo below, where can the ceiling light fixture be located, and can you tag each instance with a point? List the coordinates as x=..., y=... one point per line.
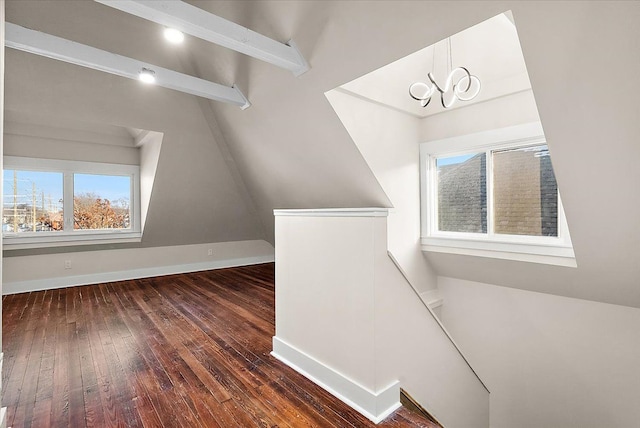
x=459, y=86
x=147, y=75
x=174, y=36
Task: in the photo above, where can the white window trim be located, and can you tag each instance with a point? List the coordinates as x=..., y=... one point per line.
x=547, y=250
x=69, y=236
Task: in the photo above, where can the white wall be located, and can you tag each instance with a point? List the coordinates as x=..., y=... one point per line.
x=2, y=19
x=292, y=151
x=591, y=126
x=195, y=198
x=324, y=291
x=150, y=144
x=27, y=137
x=388, y=141
x=549, y=361
x=91, y=267
x=509, y=110
x=347, y=318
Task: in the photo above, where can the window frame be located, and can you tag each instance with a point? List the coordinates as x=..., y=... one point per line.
x=538, y=249
x=69, y=235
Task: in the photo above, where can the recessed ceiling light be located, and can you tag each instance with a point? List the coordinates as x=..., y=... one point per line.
x=147, y=75
x=174, y=36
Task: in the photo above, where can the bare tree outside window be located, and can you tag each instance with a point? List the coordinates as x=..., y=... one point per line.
x=90, y=211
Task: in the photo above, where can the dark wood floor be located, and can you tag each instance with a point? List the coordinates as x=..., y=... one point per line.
x=176, y=351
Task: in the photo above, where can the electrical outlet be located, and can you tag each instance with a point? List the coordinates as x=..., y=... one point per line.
x=67, y=264
x=210, y=252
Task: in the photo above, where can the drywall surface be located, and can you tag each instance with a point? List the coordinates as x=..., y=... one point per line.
x=509, y=110
x=387, y=140
x=324, y=298
x=549, y=361
x=28, y=137
x=195, y=198
x=89, y=267
x=343, y=307
x=150, y=146
x=2, y=20
x=592, y=150
x=293, y=152
x=411, y=346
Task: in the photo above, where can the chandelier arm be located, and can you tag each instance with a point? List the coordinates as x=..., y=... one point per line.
x=468, y=77
x=444, y=104
x=455, y=90
x=427, y=94
x=470, y=97
x=435, y=84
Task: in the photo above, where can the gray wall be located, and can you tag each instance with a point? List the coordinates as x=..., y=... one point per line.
x=549, y=361
x=590, y=137
x=291, y=151
x=195, y=197
x=591, y=126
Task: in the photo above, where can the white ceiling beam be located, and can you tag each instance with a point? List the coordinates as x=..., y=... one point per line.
x=36, y=42
x=212, y=28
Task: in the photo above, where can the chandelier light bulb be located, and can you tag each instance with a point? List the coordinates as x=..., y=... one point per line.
x=173, y=36
x=146, y=75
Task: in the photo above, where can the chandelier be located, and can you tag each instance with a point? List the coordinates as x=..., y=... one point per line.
x=460, y=85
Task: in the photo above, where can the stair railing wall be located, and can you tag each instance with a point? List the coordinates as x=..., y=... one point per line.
x=347, y=319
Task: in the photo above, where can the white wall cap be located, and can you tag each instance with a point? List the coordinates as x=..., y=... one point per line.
x=334, y=212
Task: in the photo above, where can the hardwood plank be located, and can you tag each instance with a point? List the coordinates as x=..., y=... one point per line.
x=179, y=350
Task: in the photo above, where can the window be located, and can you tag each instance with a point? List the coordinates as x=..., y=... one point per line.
x=101, y=201
x=53, y=202
x=494, y=194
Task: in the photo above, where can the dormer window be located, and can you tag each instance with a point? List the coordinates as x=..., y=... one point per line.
x=54, y=202
x=494, y=194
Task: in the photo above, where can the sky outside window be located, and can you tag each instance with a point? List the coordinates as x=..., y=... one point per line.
x=47, y=183
x=115, y=188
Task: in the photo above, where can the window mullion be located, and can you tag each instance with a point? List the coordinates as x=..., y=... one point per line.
x=68, y=202
x=134, y=203
x=433, y=195
x=489, y=180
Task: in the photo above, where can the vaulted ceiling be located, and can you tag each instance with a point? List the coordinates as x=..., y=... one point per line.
x=223, y=170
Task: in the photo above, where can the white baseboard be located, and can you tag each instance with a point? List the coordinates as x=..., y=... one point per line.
x=97, y=278
x=376, y=406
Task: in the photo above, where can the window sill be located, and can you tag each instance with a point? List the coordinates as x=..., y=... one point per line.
x=77, y=238
x=533, y=253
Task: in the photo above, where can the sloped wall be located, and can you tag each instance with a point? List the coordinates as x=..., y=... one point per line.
x=592, y=152
x=549, y=361
x=387, y=140
x=195, y=199
x=292, y=136
x=292, y=151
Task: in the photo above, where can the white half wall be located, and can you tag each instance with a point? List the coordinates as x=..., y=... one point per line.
x=549, y=361
x=348, y=320
x=91, y=267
